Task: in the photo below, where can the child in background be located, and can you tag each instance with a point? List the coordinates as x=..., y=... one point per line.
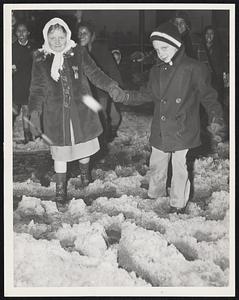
x=177, y=85
x=99, y=51
x=22, y=57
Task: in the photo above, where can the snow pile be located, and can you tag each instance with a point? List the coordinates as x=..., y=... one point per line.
x=76, y=207
x=30, y=206
x=114, y=206
x=34, y=189
x=162, y=264
x=82, y=245
x=50, y=207
x=210, y=175
x=46, y=264
x=88, y=239
x=218, y=205
x=217, y=251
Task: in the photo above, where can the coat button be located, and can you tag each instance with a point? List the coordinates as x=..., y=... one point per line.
x=178, y=100
x=163, y=118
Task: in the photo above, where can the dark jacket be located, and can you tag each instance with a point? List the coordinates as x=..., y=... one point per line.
x=62, y=100
x=104, y=59
x=177, y=92
x=215, y=59
x=22, y=57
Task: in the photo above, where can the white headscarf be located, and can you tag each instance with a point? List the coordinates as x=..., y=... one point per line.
x=58, y=56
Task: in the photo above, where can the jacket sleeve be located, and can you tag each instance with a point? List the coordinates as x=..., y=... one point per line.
x=207, y=94
x=95, y=74
x=38, y=88
x=143, y=95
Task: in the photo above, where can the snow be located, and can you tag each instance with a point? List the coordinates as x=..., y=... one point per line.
x=112, y=234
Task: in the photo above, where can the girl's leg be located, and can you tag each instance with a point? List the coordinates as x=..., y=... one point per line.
x=61, y=183
x=84, y=165
x=180, y=186
x=158, y=173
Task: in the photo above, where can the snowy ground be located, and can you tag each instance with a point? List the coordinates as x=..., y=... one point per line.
x=111, y=234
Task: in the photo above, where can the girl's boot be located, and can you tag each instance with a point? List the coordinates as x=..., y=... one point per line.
x=61, y=190
x=85, y=173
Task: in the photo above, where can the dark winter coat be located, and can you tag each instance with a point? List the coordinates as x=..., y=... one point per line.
x=177, y=92
x=104, y=59
x=216, y=61
x=22, y=57
x=62, y=100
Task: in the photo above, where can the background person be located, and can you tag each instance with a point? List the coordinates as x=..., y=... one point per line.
x=22, y=57
x=111, y=116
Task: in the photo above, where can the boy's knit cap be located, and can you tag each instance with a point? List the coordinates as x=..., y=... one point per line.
x=167, y=32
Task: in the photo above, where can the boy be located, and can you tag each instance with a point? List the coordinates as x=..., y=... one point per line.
x=177, y=85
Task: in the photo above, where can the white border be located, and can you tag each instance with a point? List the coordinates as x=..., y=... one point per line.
x=10, y=290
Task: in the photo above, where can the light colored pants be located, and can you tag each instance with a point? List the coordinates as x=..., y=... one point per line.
x=180, y=184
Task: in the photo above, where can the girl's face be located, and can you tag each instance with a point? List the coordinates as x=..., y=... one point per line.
x=84, y=36
x=164, y=50
x=57, y=40
x=22, y=33
x=209, y=35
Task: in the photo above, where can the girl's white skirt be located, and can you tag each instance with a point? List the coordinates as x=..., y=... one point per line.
x=76, y=151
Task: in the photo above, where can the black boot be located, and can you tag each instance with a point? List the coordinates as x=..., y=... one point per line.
x=61, y=190
x=85, y=174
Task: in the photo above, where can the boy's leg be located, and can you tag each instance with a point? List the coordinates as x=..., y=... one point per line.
x=158, y=173
x=180, y=186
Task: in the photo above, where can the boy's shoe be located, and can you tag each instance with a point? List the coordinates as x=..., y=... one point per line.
x=176, y=210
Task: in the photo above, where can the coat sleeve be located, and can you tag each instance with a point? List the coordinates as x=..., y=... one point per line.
x=207, y=94
x=95, y=74
x=38, y=88
x=143, y=95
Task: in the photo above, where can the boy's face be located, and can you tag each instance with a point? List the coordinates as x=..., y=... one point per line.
x=164, y=50
x=22, y=33
x=84, y=36
x=57, y=40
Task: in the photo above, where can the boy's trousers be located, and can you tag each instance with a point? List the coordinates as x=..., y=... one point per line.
x=180, y=184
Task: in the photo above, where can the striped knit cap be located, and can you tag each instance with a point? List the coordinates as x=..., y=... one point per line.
x=167, y=32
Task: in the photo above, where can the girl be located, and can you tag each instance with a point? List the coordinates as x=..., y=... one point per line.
x=58, y=84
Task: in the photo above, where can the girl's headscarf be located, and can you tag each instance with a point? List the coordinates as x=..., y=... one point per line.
x=58, y=56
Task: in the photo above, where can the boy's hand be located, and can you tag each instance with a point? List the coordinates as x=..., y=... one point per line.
x=217, y=130
x=118, y=95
